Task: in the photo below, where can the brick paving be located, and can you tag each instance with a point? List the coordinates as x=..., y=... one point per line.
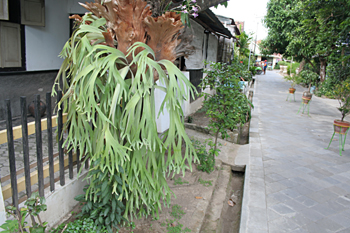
x=295, y=185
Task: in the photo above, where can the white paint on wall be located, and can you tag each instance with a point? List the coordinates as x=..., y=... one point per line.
x=164, y=118
x=75, y=8
x=212, y=48
x=2, y=208
x=195, y=61
x=43, y=44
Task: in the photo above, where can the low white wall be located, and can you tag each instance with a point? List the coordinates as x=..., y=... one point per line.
x=59, y=203
x=2, y=208
x=190, y=108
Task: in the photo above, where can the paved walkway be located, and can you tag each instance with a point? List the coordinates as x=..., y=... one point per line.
x=293, y=184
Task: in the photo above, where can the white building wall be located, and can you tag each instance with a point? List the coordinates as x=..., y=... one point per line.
x=43, y=44
x=74, y=7
x=212, y=48
x=195, y=61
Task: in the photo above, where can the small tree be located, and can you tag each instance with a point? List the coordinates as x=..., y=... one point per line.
x=227, y=107
x=342, y=93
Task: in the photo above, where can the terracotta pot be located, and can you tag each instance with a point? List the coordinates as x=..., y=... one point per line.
x=42, y=108
x=306, y=99
x=292, y=90
x=341, y=126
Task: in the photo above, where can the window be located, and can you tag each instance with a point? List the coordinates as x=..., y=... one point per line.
x=10, y=45
x=14, y=14
x=33, y=12
x=4, y=10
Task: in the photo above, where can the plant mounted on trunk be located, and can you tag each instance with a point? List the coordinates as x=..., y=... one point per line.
x=112, y=64
x=228, y=107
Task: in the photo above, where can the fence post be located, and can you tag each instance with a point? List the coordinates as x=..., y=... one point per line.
x=39, y=146
x=11, y=153
x=2, y=208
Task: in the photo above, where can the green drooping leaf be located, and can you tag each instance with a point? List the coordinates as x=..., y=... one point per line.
x=110, y=105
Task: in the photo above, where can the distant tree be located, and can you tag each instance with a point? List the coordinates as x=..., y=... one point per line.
x=310, y=29
x=244, y=41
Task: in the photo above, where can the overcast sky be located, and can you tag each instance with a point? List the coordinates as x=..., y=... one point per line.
x=249, y=11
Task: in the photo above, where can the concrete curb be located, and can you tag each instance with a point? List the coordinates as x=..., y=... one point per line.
x=199, y=217
x=254, y=210
x=233, y=136
x=213, y=221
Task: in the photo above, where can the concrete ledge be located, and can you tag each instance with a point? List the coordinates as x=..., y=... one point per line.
x=254, y=210
x=233, y=135
x=213, y=220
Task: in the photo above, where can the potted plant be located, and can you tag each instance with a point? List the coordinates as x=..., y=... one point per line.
x=309, y=78
x=293, y=82
x=342, y=93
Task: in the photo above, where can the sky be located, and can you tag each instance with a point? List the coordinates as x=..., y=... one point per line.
x=250, y=11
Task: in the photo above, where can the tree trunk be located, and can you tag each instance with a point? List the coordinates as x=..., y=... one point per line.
x=323, y=69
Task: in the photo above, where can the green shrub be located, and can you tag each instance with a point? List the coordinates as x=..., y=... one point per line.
x=292, y=68
x=85, y=225
x=277, y=66
x=283, y=63
x=307, y=78
x=342, y=93
x=206, y=161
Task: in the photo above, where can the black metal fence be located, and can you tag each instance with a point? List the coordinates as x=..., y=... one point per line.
x=66, y=161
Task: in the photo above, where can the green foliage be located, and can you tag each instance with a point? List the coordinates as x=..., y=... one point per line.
x=244, y=40
x=172, y=228
x=33, y=207
x=253, y=70
x=342, y=93
x=179, y=181
x=277, y=66
x=110, y=106
x=106, y=210
x=291, y=79
x=189, y=119
x=292, y=67
x=283, y=63
x=308, y=78
x=205, y=183
x=336, y=74
x=86, y=225
x=177, y=212
x=206, y=160
x=311, y=29
x=227, y=106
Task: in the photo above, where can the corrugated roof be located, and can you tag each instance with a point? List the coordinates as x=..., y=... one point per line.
x=211, y=23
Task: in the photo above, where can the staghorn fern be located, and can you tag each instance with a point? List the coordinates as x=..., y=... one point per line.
x=113, y=92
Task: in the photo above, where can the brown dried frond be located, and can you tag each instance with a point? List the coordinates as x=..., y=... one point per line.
x=163, y=32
